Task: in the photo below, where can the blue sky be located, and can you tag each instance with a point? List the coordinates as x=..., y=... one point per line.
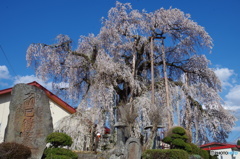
x=40, y=21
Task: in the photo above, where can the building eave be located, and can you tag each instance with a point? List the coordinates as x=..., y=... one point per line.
x=218, y=146
x=49, y=94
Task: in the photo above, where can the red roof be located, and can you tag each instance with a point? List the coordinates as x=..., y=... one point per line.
x=217, y=146
x=212, y=144
x=50, y=95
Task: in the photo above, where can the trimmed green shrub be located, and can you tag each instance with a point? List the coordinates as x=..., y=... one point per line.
x=10, y=150
x=59, y=139
x=195, y=149
x=176, y=136
x=185, y=138
x=166, y=154
x=179, y=130
x=59, y=153
x=167, y=140
x=178, y=143
x=195, y=157
x=204, y=154
x=198, y=151
x=177, y=139
x=58, y=157
x=187, y=148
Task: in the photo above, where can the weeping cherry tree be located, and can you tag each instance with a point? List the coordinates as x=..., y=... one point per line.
x=111, y=73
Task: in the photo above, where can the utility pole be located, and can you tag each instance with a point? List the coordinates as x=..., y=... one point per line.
x=169, y=121
x=152, y=71
x=166, y=83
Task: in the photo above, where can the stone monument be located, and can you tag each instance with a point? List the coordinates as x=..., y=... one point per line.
x=118, y=151
x=126, y=147
x=29, y=121
x=133, y=148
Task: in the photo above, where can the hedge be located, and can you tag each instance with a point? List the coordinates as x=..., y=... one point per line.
x=59, y=153
x=195, y=157
x=166, y=154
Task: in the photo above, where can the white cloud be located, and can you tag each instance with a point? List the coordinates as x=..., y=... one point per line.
x=4, y=73
x=237, y=128
x=25, y=79
x=31, y=78
x=228, y=106
x=224, y=75
x=233, y=96
x=232, y=89
x=232, y=99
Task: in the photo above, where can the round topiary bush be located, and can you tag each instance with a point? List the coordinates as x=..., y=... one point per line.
x=11, y=150
x=178, y=143
x=187, y=147
x=57, y=139
x=167, y=140
x=177, y=136
x=178, y=139
x=179, y=130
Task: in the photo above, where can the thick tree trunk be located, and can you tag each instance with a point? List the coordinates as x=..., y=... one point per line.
x=150, y=142
x=196, y=135
x=178, y=113
x=188, y=111
x=93, y=132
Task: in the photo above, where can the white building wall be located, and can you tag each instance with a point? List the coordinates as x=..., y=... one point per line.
x=4, y=112
x=231, y=154
x=56, y=112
